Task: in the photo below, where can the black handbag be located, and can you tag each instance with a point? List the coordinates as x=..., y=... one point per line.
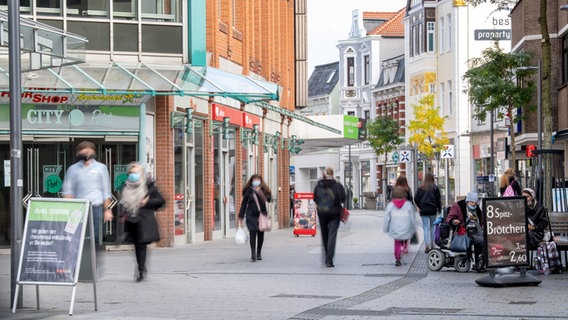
x=460, y=243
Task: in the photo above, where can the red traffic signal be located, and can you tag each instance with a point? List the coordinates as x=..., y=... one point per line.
x=529, y=150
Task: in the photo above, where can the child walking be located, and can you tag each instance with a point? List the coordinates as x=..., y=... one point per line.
x=399, y=221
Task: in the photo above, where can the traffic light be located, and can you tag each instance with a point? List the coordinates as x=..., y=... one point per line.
x=188, y=120
x=226, y=127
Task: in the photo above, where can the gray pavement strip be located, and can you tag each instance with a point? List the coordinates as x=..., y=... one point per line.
x=305, y=296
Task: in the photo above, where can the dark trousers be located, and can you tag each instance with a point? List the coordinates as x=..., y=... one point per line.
x=329, y=226
x=140, y=249
x=253, y=235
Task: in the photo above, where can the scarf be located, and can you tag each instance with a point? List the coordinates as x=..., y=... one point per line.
x=472, y=215
x=132, y=195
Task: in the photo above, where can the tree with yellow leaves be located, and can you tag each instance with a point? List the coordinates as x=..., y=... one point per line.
x=427, y=129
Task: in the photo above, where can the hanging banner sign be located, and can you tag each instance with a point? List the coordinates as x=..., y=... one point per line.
x=53, y=240
x=505, y=231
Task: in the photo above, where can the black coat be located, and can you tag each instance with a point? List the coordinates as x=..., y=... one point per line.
x=144, y=227
x=249, y=208
x=428, y=201
x=339, y=192
x=539, y=218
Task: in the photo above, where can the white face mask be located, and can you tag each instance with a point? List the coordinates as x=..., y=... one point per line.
x=256, y=183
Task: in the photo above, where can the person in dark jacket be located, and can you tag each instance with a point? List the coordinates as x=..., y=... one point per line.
x=464, y=213
x=508, y=178
x=537, y=219
x=329, y=196
x=256, y=195
x=429, y=202
x=139, y=199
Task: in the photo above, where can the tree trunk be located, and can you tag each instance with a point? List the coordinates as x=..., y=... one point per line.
x=545, y=80
x=546, y=104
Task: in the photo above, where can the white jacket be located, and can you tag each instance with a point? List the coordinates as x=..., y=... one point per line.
x=400, y=223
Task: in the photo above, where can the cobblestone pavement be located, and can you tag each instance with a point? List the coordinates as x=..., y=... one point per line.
x=216, y=280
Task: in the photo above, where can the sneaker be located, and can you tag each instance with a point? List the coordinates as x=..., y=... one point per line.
x=405, y=250
x=427, y=249
x=397, y=263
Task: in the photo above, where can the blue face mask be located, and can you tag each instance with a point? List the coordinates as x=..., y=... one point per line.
x=133, y=177
x=255, y=183
x=472, y=208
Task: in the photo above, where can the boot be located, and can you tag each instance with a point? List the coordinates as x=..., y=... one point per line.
x=258, y=256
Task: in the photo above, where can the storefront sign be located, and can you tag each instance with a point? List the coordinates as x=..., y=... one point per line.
x=51, y=179
x=492, y=34
x=221, y=112
x=66, y=118
x=53, y=239
x=351, y=127
x=249, y=120
x=505, y=231
x=54, y=98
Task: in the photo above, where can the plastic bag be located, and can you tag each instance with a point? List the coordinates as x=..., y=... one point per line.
x=240, y=237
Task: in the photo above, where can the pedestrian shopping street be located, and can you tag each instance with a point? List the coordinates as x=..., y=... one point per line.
x=216, y=280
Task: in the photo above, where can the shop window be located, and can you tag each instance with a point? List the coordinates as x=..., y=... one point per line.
x=153, y=39
x=313, y=174
x=48, y=7
x=125, y=37
x=97, y=33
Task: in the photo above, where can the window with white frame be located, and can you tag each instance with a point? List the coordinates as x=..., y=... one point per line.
x=431, y=25
x=421, y=38
x=450, y=98
x=350, y=71
x=411, y=41
x=366, y=68
x=442, y=96
x=442, y=47
x=449, y=24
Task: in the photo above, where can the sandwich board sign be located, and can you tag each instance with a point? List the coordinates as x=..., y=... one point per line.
x=52, y=245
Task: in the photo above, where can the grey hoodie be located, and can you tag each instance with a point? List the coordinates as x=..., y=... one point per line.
x=400, y=223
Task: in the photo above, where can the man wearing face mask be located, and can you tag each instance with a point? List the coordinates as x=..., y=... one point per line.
x=467, y=214
x=89, y=179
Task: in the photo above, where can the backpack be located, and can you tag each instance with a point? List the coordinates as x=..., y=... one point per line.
x=327, y=199
x=547, y=259
x=509, y=192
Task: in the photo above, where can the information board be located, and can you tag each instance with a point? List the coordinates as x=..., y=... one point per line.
x=305, y=212
x=53, y=241
x=506, y=232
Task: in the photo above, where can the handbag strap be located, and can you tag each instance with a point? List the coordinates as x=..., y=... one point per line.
x=549, y=224
x=256, y=200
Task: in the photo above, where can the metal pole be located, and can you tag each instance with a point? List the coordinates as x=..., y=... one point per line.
x=539, y=169
x=349, y=187
x=447, y=178
x=492, y=158
x=16, y=173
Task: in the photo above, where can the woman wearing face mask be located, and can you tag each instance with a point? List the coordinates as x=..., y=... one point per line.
x=467, y=214
x=256, y=195
x=537, y=219
x=139, y=199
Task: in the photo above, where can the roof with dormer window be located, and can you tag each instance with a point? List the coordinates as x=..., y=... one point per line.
x=323, y=79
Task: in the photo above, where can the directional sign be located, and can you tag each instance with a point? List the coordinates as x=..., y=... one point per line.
x=448, y=151
x=394, y=157
x=405, y=156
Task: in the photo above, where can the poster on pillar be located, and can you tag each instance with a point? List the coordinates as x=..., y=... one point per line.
x=304, y=214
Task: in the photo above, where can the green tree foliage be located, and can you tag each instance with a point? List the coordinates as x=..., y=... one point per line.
x=492, y=84
x=384, y=135
x=427, y=129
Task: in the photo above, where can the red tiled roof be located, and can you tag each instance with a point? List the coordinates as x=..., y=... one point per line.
x=379, y=15
x=392, y=28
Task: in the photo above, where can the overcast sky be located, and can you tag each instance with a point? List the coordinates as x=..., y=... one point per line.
x=330, y=21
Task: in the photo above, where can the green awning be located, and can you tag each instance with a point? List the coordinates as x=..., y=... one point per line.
x=152, y=80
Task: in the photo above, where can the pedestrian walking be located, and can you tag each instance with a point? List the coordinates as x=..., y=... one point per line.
x=89, y=179
x=429, y=203
x=399, y=221
x=401, y=181
x=329, y=196
x=256, y=195
x=508, y=179
x=139, y=200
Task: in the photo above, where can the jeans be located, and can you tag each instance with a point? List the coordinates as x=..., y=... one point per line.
x=329, y=228
x=429, y=230
x=97, y=222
